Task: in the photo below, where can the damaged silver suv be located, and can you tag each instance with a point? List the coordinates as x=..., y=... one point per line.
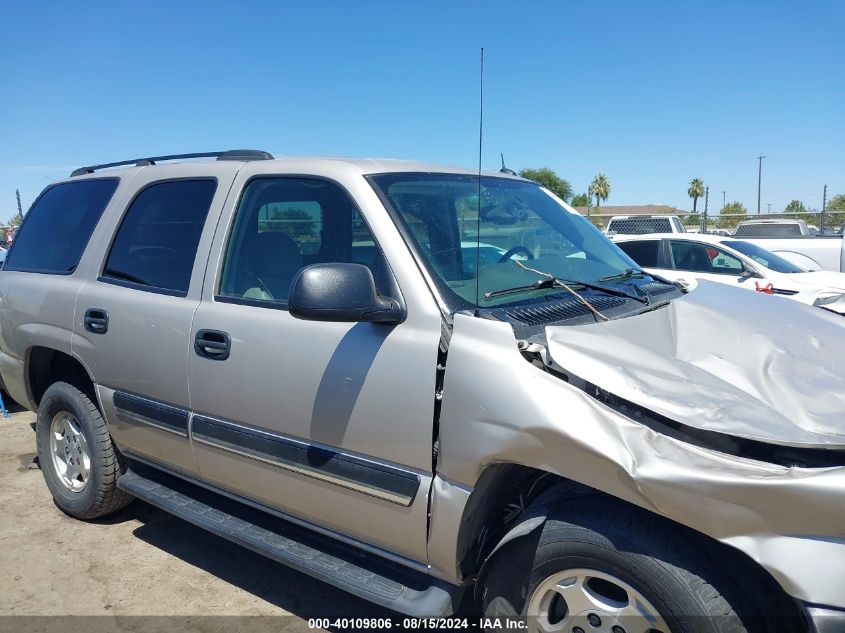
x=422, y=385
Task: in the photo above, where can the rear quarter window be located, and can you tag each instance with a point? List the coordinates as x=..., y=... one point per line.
x=639, y=226
x=57, y=228
x=768, y=230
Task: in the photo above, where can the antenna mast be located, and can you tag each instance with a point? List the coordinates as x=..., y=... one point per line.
x=478, y=206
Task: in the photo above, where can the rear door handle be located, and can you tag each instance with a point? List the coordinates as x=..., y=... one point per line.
x=212, y=344
x=96, y=320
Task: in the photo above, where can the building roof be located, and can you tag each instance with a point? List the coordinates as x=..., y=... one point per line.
x=635, y=209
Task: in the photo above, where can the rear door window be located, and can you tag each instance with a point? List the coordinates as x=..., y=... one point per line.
x=58, y=226
x=644, y=252
x=156, y=244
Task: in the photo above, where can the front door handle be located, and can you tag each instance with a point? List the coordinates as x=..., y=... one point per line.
x=212, y=344
x=96, y=320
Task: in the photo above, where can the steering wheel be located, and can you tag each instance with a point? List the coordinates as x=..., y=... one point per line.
x=513, y=251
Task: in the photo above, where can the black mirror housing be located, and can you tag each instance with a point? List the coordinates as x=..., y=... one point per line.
x=341, y=292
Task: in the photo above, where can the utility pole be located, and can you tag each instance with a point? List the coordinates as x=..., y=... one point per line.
x=20, y=213
x=723, y=200
x=706, y=202
x=769, y=204
x=759, y=179
x=824, y=204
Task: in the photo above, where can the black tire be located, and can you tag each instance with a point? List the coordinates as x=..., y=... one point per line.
x=669, y=566
x=100, y=495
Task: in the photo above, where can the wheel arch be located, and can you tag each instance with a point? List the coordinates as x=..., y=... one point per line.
x=46, y=365
x=542, y=494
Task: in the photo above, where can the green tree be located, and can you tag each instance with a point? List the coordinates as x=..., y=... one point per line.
x=297, y=223
x=581, y=200
x=836, y=204
x=693, y=219
x=796, y=206
x=14, y=220
x=835, y=212
x=732, y=214
x=550, y=180
x=600, y=188
x=695, y=191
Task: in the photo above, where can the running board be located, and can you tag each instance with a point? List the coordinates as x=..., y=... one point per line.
x=365, y=575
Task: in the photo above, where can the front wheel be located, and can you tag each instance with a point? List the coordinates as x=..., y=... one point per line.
x=79, y=462
x=602, y=567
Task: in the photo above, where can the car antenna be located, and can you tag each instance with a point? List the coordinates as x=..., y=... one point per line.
x=505, y=170
x=478, y=204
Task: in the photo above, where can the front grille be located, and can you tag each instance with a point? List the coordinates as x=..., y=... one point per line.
x=562, y=310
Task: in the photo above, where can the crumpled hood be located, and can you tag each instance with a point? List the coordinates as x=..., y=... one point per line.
x=721, y=359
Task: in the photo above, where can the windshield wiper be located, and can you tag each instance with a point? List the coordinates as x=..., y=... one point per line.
x=540, y=284
x=628, y=273
x=550, y=282
x=608, y=290
x=556, y=282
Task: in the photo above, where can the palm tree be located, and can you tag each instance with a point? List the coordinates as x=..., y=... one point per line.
x=600, y=188
x=695, y=191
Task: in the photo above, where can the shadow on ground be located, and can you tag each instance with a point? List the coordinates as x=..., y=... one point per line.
x=286, y=588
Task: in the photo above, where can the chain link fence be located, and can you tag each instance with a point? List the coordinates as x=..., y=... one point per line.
x=747, y=224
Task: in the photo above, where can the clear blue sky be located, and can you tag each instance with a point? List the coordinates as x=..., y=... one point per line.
x=651, y=93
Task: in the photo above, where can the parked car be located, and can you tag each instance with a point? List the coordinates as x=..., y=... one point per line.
x=797, y=242
x=291, y=354
x=688, y=258
x=638, y=224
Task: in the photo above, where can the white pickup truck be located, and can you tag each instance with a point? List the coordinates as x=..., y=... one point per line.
x=822, y=252
x=795, y=241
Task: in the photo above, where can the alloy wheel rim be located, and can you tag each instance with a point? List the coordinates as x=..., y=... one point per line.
x=69, y=450
x=590, y=601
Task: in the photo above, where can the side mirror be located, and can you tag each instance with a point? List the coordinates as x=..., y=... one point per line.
x=747, y=273
x=340, y=292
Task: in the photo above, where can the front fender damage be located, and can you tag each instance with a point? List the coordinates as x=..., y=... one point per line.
x=498, y=408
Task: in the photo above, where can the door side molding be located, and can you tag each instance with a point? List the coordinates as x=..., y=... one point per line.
x=375, y=479
x=134, y=409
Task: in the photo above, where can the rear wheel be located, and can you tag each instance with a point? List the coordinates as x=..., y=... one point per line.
x=79, y=462
x=603, y=567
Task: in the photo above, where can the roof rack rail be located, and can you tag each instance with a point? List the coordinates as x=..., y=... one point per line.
x=232, y=154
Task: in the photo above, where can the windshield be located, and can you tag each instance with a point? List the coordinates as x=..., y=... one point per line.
x=525, y=234
x=764, y=257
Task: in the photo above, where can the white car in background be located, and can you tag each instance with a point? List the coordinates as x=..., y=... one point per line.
x=686, y=258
